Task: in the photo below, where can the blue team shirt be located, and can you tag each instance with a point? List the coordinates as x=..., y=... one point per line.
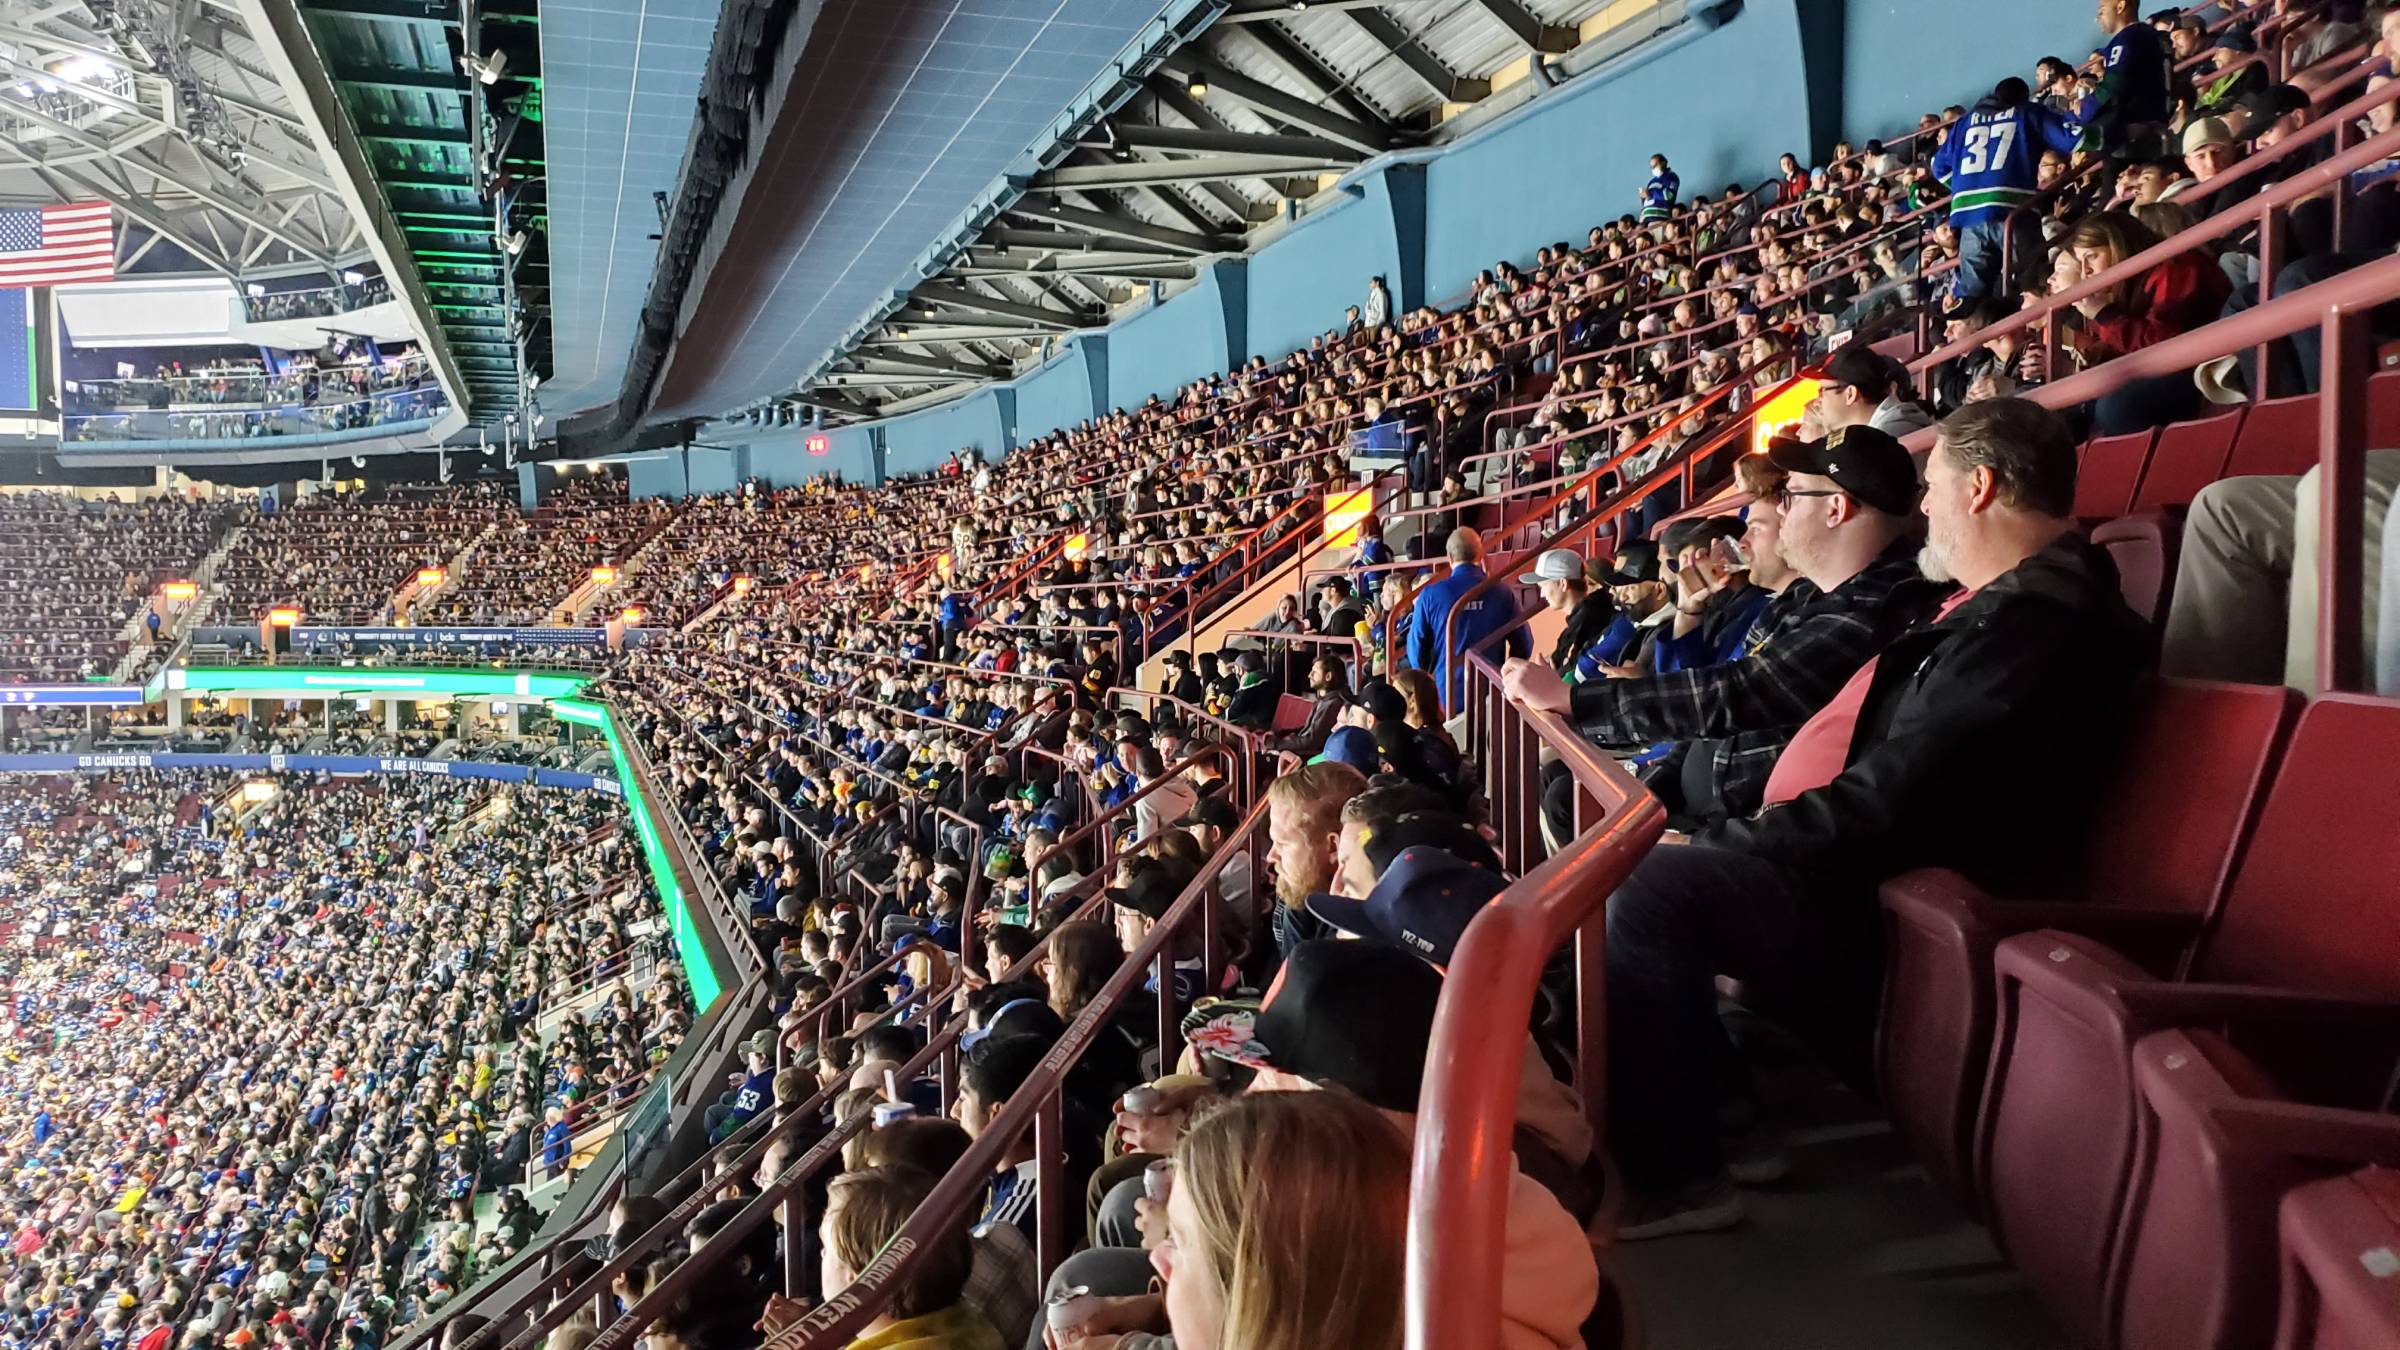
x=1658, y=195
x=1991, y=161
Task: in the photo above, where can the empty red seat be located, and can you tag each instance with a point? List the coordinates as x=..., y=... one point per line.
x=2222, y=1143
x=1291, y=712
x=2341, y=1248
x=2314, y=906
x=2157, y=863
x=2188, y=457
x=2111, y=470
x=2383, y=410
x=2278, y=437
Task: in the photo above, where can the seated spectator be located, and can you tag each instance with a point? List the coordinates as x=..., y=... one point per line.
x=2245, y=605
x=1861, y=388
x=864, y=1211
x=1566, y=591
x=1942, y=755
x=1843, y=525
x=2175, y=296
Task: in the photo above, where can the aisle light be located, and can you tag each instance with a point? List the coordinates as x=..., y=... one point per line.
x=632, y=616
x=604, y=575
x=258, y=790
x=180, y=591
x=1344, y=513
x=430, y=577
x=1781, y=413
x=741, y=585
x=283, y=616
x=1078, y=545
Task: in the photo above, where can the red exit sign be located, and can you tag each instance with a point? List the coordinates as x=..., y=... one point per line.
x=819, y=444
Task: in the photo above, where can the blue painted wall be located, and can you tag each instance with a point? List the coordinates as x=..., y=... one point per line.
x=1295, y=282
x=656, y=475
x=1176, y=343
x=1057, y=395
x=923, y=440
x=1581, y=158
x=781, y=459
x=1905, y=57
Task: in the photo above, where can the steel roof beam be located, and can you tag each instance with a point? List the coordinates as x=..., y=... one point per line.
x=1273, y=103
x=1051, y=241
x=1209, y=168
x=1267, y=11
x=1216, y=140
x=1420, y=61
x=394, y=11
x=1147, y=267
x=1037, y=315
x=909, y=363
x=139, y=209
x=1531, y=33
x=1125, y=227
x=1320, y=80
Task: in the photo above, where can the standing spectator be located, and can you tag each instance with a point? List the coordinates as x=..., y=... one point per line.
x=2125, y=117
x=1992, y=165
x=1658, y=194
x=1433, y=645
x=1378, y=310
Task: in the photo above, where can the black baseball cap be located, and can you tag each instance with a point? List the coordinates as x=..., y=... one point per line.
x=1353, y=1015
x=1870, y=465
x=1149, y=891
x=1636, y=562
x=1211, y=811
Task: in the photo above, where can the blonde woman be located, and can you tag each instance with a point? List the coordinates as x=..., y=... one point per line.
x=1285, y=1226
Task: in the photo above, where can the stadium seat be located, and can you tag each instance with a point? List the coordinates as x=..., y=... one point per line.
x=2311, y=908
x=1291, y=712
x=2159, y=860
x=2221, y=1142
x=2383, y=409
x=2144, y=547
x=2110, y=471
x=2278, y=437
x=2341, y=1263
x=2188, y=457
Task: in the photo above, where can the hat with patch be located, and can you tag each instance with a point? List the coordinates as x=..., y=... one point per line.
x=1870, y=465
x=1353, y=1015
x=1423, y=902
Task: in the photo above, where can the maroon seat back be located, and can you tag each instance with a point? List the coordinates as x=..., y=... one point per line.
x=2111, y=469
x=1291, y=712
x=2143, y=546
x=2167, y=835
x=2221, y=1145
x=2339, y=1240
x=2383, y=410
x=2278, y=437
x=2316, y=902
x=2188, y=457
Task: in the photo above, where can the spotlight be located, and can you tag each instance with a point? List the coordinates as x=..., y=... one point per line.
x=489, y=69
x=1198, y=88
x=351, y=276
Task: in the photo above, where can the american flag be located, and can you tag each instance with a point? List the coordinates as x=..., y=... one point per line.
x=55, y=245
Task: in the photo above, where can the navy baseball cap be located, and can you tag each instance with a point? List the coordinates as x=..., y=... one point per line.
x=1423, y=903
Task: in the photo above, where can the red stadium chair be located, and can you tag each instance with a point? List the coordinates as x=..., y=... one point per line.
x=1291, y=712
x=2188, y=457
x=2312, y=907
x=2111, y=469
x=2222, y=1142
x=2278, y=437
x=2341, y=1252
x=2159, y=861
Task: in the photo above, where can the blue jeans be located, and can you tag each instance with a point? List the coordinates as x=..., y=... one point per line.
x=1980, y=249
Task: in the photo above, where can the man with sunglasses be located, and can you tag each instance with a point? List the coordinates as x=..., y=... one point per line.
x=1845, y=509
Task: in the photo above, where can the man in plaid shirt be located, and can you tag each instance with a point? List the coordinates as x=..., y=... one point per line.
x=1845, y=513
